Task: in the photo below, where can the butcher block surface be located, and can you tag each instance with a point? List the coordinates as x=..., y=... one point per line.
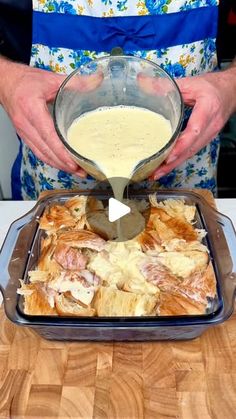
x=186, y=380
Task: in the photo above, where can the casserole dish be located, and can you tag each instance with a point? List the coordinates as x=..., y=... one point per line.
x=20, y=253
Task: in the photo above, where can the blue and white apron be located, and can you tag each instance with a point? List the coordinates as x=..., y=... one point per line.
x=179, y=35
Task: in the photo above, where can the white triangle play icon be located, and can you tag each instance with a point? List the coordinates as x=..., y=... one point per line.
x=116, y=210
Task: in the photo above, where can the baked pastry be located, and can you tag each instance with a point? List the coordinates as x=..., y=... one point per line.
x=83, y=271
x=113, y=302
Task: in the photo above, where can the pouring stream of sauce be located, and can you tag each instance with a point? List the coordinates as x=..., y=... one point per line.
x=117, y=138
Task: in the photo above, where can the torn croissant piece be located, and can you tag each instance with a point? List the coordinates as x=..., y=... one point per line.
x=113, y=302
x=159, y=275
x=69, y=307
x=182, y=229
x=197, y=287
x=140, y=287
x=165, y=233
x=209, y=282
x=174, y=208
x=82, y=239
x=77, y=206
x=69, y=257
x=192, y=293
x=37, y=299
x=40, y=276
x=149, y=240
x=182, y=245
x=57, y=255
x=82, y=223
x=184, y=264
x=172, y=219
x=81, y=285
x=174, y=228
x=175, y=304
x=81, y=205
x=204, y=282
x=46, y=260
x=154, y=213
x=56, y=217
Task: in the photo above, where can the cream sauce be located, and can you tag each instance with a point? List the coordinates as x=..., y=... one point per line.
x=117, y=139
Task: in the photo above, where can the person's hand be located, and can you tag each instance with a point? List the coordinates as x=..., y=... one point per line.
x=25, y=93
x=213, y=98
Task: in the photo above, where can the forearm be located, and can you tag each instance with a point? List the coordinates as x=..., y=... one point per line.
x=3, y=72
x=24, y=93
x=8, y=71
x=229, y=78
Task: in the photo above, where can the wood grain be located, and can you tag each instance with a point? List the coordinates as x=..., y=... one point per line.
x=42, y=379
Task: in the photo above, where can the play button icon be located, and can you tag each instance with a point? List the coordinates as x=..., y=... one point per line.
x=116, y=210
x=113, y=219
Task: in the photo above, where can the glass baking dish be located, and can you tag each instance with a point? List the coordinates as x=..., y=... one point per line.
x=20, y=251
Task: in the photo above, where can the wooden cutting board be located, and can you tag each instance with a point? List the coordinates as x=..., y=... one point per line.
x=185, y=380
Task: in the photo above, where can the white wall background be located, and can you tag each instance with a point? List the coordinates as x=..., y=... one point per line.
x=8, y=151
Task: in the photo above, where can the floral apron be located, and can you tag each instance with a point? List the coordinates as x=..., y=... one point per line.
x=179, y=35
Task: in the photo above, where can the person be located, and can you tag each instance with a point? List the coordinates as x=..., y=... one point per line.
x=180, y=36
